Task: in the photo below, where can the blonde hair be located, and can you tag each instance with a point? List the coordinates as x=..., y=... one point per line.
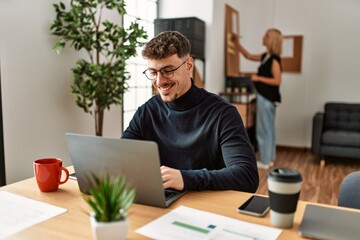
x=275, y=41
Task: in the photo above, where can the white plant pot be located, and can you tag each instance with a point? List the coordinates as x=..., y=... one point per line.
x=109, y=231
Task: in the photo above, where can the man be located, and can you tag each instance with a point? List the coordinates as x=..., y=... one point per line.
x=201, y=137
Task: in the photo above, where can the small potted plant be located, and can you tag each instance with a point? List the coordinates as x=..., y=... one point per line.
x=109, y=199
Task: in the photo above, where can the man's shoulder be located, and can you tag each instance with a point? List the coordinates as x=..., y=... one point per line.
x=215, y=98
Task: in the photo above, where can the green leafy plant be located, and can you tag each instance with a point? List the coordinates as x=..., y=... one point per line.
x=110, y=197
x=99, y=80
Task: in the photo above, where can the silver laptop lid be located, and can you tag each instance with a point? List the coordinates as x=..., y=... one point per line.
x=320, y=222
x=137, y=160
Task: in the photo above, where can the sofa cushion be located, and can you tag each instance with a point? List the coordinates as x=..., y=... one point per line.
x=341, y=138
x=342, y=116
x=340, y=151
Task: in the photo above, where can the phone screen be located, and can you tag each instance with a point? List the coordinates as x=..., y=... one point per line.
x=256, y=206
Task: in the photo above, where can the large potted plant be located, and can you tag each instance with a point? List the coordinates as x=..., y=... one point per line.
x=100, y=79
x=109, y=199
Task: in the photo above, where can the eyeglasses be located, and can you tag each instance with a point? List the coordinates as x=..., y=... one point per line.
x=166, y=72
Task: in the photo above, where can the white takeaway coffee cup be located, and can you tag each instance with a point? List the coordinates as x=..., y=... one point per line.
x=284, y=186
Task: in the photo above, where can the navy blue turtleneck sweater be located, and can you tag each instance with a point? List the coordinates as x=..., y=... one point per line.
x=203, y=136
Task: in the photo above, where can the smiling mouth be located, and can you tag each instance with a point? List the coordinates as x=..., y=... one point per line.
x=165, y=89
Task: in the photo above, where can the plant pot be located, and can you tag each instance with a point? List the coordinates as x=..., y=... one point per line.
x=109, y=230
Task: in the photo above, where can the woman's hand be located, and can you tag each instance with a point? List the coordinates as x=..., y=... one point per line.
x=255, y=78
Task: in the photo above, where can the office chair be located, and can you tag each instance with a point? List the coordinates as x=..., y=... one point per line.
x=349, y=193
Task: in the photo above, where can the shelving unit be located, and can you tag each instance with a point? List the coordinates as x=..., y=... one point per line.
x=241, y=93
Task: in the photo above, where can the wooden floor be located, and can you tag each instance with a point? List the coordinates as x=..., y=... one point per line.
x=320, y=184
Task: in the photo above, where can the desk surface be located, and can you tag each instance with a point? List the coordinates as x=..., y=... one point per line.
x=74, y=224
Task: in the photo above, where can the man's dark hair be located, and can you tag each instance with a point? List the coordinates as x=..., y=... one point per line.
x=165, y=44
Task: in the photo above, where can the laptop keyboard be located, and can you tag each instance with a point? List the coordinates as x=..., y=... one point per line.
x=171, y=193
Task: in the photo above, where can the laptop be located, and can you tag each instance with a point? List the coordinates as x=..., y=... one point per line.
x=136, y=159
x=329, y=223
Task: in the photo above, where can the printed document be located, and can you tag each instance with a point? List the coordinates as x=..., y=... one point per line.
x=18, y=212
x=185, y=223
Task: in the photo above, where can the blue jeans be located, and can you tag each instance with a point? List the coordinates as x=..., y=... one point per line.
x=265, y=129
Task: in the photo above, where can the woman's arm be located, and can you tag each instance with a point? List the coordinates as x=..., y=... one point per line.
x=243, y=51
x=275, y=80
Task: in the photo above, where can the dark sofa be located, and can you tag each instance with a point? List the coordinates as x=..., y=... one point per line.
x=336, y=131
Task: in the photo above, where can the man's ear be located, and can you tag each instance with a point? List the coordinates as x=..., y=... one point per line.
x=190, y=63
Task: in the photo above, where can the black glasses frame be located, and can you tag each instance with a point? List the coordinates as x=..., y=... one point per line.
x=166, y=72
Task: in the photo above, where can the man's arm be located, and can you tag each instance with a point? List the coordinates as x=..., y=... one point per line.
x=133, y=131
x=240, y=171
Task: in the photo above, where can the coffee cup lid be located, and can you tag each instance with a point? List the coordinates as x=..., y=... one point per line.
x=285, y=175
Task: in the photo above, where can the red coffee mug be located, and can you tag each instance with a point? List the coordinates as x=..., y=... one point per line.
x=47, y=172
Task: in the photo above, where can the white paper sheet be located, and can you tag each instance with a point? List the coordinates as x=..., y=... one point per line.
x=185, y=223
x=18, y=212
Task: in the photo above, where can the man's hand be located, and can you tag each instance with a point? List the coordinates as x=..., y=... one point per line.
x=171, y=178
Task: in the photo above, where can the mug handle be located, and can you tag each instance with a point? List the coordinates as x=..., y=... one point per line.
x=67, y=175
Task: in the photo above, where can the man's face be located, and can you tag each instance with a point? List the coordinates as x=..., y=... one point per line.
x=176, y=86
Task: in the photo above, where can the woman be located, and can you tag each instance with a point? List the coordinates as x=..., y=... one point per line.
x=267, y=82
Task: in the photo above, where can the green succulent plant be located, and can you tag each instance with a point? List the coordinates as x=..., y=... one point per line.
x=110, y=197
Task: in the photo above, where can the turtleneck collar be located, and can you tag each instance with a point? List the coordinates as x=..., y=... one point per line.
x=188, y=100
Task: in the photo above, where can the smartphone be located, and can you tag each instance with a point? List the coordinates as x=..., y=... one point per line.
x=256, y=206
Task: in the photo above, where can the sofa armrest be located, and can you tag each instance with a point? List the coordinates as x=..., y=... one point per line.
x=317, y=130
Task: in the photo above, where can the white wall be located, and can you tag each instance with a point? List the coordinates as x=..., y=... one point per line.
x=331, y=52
x=38, y=108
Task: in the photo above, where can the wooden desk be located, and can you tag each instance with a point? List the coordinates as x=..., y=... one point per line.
x=74, y=224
